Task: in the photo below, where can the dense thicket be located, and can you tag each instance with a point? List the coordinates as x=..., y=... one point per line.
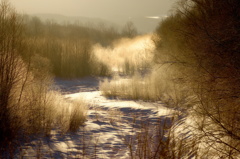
x=101, y=34
x=27, y=105
x=67, y=48
x=200, y=43
x=10, y=70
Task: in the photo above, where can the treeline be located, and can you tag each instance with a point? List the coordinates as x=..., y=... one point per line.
x=199, y=46
x=102, y=34
x=67, y=48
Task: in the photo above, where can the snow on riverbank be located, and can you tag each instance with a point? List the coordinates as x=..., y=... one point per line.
x=111, y=124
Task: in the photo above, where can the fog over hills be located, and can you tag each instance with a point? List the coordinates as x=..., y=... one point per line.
x=143, y=24
x=116, y=12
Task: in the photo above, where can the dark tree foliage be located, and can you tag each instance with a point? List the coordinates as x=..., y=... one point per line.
x=202, y=39
x=10, y=73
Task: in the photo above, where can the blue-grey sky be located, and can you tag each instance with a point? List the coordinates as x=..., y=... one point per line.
x=95, y=8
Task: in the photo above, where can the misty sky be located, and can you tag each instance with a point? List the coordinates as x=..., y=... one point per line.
x=95, y=8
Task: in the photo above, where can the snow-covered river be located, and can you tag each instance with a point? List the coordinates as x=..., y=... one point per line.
x=112, y=128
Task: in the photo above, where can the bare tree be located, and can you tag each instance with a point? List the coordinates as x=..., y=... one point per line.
x=129, y=30
x=201, y=39
x=10, y=70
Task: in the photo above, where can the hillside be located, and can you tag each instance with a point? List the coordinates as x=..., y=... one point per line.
x=143, y=24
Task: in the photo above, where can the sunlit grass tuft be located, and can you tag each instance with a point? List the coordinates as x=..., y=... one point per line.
x=77, y=115
x=157, y=86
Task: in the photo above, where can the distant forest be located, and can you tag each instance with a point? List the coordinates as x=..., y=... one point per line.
x=67, y=48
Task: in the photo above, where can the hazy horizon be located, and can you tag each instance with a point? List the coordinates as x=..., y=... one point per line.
x=144, y=14
x=95, y=8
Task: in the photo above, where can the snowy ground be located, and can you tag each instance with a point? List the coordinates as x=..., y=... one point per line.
x=111, y=124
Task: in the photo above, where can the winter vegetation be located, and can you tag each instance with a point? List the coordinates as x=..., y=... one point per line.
x=197, y=71
x=127, y=56
x=69, y=48
x=28, y=105
x=77, y=91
